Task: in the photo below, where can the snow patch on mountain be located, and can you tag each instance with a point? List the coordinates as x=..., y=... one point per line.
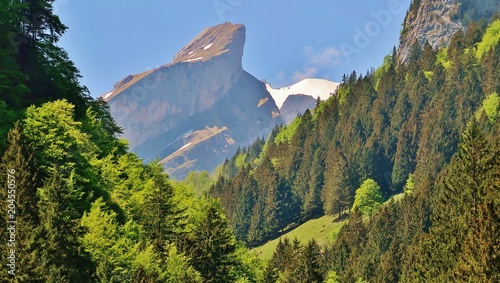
x=313, y=87
x=108, y=94
x=184, y=146
x=192, y=60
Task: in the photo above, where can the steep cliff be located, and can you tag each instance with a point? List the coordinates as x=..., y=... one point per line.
x=436, y=21
x=195, y=111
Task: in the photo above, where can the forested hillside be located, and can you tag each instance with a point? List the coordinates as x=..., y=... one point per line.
x=428, y=128
x=76, y=206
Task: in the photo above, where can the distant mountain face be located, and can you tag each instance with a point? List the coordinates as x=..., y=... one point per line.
x=436, y=21
x=195, y=111
x=296, y=104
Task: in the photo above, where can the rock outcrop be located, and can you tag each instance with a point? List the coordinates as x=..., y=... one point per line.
x=436, y=21
x=195, y=111
x=296, y=104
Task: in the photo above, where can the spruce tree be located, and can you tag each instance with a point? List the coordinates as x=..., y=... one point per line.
x=336, y=193
x=18, y=174
x=313, y=263
x=280, y=259
x=457, y=210
x=60, y=257
x=163, y=221
x=213, y=246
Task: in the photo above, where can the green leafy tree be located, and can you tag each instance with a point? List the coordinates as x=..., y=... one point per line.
x=111, y=248
x=368, y=197
x=491, y=106
x=56, y=140
x=178, y=269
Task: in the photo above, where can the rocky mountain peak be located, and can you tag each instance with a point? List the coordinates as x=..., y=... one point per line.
x=213, y=41
x=195, y=111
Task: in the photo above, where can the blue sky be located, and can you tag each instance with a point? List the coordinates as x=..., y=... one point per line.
x=286, y=40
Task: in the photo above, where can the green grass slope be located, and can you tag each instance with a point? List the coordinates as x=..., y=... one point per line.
x=322, y=229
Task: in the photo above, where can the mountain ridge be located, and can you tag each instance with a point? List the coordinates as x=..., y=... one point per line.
x=204, y=87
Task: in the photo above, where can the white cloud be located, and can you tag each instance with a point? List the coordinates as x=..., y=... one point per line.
x=329, y=56
x=307, y=72
x=318, y=62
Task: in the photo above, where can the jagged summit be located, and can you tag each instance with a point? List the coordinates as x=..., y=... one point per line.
x=195, y=111
x=213, y=41
x=225, y=39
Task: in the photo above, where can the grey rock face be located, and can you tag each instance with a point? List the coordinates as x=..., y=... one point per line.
x=167, y=112
x=436, y=21
x=296, y=104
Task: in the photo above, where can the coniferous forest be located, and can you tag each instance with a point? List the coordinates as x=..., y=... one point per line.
x=77, y=206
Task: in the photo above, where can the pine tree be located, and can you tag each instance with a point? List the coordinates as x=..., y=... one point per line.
x=406, y=151
x=59, y=253
x=281, y=258
x=348, y=243
x=213, y=246
x=336, y=193
x=163, y=221
x=312, y=202
x=313, y=263
x=457, y=210
x=245, y=203
x=12, y=87
x=480, y=259
x=19, y=176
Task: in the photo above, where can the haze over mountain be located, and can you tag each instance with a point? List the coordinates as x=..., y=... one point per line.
x=197, y=110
